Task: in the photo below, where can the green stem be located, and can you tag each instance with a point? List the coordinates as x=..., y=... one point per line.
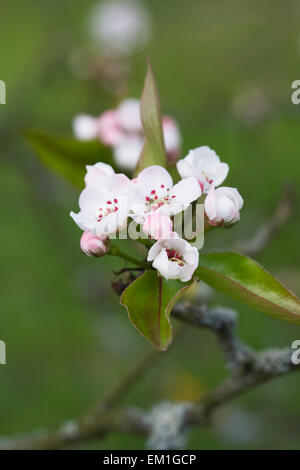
x=115, y=251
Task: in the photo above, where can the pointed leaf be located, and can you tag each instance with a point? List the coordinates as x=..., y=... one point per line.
x=153, y=152
x=66, y=155
x=243, y=279
x=149, y=301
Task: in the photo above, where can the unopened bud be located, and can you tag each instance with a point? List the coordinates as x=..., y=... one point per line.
x=92, y=245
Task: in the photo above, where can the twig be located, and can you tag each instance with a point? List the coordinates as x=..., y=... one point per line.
x=269, y=229
x=249, y=369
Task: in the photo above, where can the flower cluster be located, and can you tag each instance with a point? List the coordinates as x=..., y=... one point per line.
x=121, y=129
x=110, y=199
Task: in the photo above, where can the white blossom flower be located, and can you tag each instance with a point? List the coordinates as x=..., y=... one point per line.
x=222, y=205
x=174, y=258
x=104, y=202
x=120, y=26
x=205, y=165
x=154, y=191
x=92, y=245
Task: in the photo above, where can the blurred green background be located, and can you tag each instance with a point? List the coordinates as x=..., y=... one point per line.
x=224, y=70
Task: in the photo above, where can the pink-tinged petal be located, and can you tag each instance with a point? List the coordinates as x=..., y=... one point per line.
x=225, y=209
x=97, y=175
x=118, y=184
x=85, y=127
x=92, y=245
x=210, y=204
x=152, y=178
x=158, y=225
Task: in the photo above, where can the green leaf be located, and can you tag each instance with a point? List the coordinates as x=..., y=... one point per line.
x=243, y=279
x=149, y=301
x=153, y=152
x=68, y=156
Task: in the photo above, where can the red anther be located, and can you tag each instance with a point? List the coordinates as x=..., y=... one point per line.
x=108, y=202
x=116, y=201
x=147, y=199
x=153, y=191
x=162, y=185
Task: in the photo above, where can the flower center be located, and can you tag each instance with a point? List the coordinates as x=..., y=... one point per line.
x=112, y=205
x=158, y=197
x=173, y=255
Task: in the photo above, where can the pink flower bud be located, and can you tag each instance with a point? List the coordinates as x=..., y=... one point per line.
x=92, y=245
x=158, y=225
x=222, y=206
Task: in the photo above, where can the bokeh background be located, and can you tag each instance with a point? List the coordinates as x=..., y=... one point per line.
x=224, y=70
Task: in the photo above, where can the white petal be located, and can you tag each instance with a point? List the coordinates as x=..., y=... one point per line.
x=90, y=199
x=152, y=178
x=202, y=157
x=186, y=191
x=95, y=176
x=118, y=184
x=185, y=169
x=84, y=221
x=108, y=169
x=220, y=173
x=154, y=250
x=161, y=263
